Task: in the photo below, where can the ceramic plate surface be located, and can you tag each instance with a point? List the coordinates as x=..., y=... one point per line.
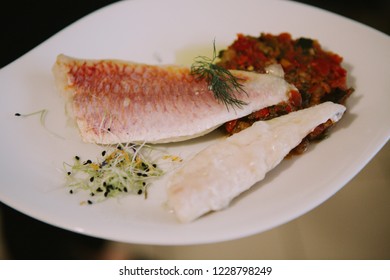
x=174, y=31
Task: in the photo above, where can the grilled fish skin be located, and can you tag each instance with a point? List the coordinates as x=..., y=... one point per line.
x=220, y=172
x=114, y=101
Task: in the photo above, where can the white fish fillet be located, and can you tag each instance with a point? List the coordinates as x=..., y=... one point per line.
x=219, y=173
x=115, y=101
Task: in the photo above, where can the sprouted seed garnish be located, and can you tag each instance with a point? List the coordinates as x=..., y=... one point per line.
x=40, y=112
x=120, y=170
x=42, y=119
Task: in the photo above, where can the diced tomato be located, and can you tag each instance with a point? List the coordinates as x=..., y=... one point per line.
x=229, y=126
x=295, y=98
x=316, y=73
x=321, y=66
x=262, y=114
x=284, y=37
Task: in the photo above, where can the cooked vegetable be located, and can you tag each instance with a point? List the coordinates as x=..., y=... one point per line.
x=317, y=73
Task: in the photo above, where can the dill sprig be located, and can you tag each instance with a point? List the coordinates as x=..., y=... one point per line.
x=220, y=81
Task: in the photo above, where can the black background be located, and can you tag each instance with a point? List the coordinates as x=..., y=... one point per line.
x=26, y=24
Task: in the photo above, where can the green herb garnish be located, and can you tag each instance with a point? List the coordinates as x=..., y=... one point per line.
x=220, y=80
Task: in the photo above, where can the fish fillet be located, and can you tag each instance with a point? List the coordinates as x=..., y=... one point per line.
x=115, y=101
x=219, y=173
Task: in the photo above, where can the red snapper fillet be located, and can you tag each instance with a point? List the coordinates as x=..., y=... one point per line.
x=115, y=101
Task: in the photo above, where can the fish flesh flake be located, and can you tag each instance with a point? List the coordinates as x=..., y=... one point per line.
x=213, y=177
x=115, y=101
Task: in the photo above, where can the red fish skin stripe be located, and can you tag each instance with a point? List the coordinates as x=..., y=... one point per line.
x=144, y=87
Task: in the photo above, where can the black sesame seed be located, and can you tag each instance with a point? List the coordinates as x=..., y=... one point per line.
x=109, y=129
x=154, y=165
x=99, y=189
x=17, y=114
x=125, y=189
x=91, y=179
x=139, y=191
x=71, y=191
x=69, y=172
x=103, y=153
x=139, y=174
x=77, y=157
x=89, y=202
x=144, y=175
x=143, y=183
x=92, y=194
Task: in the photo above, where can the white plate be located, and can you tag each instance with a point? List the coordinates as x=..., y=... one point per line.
x=172, y=31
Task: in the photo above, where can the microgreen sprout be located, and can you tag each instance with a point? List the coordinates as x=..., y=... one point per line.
x=119, y=170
